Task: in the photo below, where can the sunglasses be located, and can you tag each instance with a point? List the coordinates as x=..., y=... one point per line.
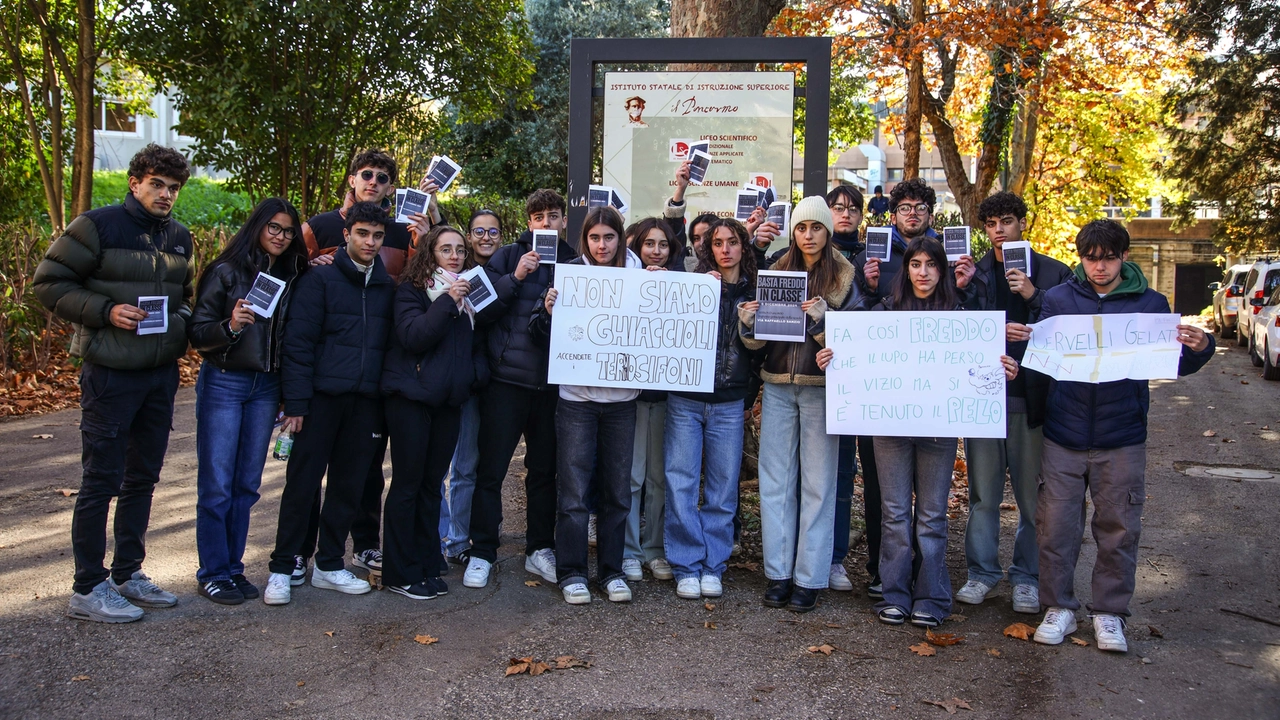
x=276, y=230
x=368, y=175
x=479, y=233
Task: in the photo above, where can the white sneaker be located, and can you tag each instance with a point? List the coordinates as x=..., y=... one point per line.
x=577, y=594
x=591, y=530
x=1058, y=623
x=689, y=588
x=279, y=589
x=341, y=580
x=103, y=604
x=1108, y=630
x=633, y=569
x=1026, y=599
x=839, y=579
x=477, y=573
x=618, y=590
x=541, y=563
x=974, y=592
x=660, y=568
x=710, y=586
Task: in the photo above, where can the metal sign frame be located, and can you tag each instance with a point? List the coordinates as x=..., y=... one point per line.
x=586, y=53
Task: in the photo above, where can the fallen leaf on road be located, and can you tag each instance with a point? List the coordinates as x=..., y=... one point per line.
x=42, y=436
x=993, y=652
x=709, y=606
x=1020, y=631
x=1078, y=641
x=564, y=662
x=537, y=668
x=949, y=705
x=1227, y=440
x=301, y=683
x=957, y=618
x=68, y=492
x=1008, y=506
x=80, y=678
x=531, y=583
x=518, y=665
x=834, y=625
x=329, y=633
x=923, y=650
x=710, y=625
x=425, y=639
x=1244, y=382
x=1209, y=433
x=824, y=648
x=942, y=639
x=1155, y=631
x=749, y=566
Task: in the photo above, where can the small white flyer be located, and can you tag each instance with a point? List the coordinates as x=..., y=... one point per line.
x=443, y=170
x=617, y=202
x=412, y=202
x=778, y=214
x=879, y=243
x=481, y=293
x=598, y=195
x=546, y=242
x=157, y=309
x=699, y=163
x=955, y=240
x=265, y=294
x=1017, y=256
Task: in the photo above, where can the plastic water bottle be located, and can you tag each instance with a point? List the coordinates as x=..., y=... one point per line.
x=284, y=445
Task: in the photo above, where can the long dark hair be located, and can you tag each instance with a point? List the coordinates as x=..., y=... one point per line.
x=604, y=216
x=824, y=276
x=642, y=230
x=707, y=258
x=944, y=295
x=244, y=250
x=422, y=265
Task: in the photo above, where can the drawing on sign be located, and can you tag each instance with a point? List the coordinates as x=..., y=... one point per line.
x=986, y=379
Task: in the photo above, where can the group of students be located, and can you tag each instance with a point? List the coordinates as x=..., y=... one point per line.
x=372, y=341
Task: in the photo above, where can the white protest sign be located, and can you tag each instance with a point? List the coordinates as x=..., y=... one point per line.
x=914, y=374
x=1105, y=348
x=631, y=328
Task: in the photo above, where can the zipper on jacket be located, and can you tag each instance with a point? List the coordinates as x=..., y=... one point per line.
x=364, y=333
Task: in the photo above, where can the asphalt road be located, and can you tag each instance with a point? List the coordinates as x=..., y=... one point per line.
x=1209, y=544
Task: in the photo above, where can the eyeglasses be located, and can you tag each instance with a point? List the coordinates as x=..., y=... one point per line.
x=451, y=250
x=276, y=230
x=920, y=209
x=840, y=209
x=479, y=233
x=368, y=175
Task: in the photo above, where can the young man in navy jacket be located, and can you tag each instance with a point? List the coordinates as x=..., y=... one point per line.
x=1095, y=437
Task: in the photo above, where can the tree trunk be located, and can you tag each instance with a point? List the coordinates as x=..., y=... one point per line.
x=85, y=106
x=1022, y=146
x=721, y=18
x=915, y=100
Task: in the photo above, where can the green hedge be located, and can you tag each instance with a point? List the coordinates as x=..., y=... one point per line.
x=202, y=203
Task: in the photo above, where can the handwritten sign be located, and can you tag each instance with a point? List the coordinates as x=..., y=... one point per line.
x=912, y=374
x=620, y=328
x=1105, y=348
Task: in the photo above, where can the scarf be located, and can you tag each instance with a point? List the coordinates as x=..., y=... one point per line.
x=439, y=284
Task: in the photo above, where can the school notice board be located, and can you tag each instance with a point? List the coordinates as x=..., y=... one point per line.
x=916, y=374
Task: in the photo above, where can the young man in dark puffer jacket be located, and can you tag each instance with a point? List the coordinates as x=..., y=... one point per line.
x=333, y=346
x=93, y=277
x=1095, y=437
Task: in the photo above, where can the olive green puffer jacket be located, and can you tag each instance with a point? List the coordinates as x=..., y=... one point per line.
x=114, y=255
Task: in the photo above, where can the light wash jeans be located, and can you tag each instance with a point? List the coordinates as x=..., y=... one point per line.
x=987, y=459
x=647, y=471
x=923, y=467
x=455, y=517
x=795, y=446
x=704, y=437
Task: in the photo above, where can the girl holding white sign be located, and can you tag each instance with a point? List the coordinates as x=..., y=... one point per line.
x=794, y=443
x=916, y=466
x=238, y=393
x=595, y=436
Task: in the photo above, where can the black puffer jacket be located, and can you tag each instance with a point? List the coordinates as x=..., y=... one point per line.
x=733, y=359
x=337, y=332
x=514, y=357
x=257, y=348
x=112, y=256
x=434, y=356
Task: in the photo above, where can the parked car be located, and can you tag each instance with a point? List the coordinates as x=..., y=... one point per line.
x=1264, y=345
x=1262, y=280
x=1226, y=299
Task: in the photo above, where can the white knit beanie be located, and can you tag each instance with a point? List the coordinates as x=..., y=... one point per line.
x=812, y=208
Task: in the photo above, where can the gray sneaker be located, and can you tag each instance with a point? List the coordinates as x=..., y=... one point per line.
x=139, y=590
x=103, y=604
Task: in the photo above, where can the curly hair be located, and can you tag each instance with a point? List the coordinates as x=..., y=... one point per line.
x=640, y=230
x=374, y=158
x=422, y=265
x=913, y=189
x=544, y=199
x=160, y=160
x=1002, y=204
x=706, y=254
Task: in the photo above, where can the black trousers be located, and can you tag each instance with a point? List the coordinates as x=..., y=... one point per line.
x=340, y=435
x=124, y=432
x=507, y=412
x=870, y=502
x=423, y=439
x=364, y=529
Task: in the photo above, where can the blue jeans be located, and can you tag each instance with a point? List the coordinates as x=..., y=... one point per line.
x=922, y=466
x=988, y=458
x=592, y=439
x=235, y=412
x=846, y=468
x=647, y=471
x=701, y=438
x=455, y=521
x=795, y=446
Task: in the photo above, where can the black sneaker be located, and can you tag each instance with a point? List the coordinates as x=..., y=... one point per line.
x=803, y=600
x=920, y=618
x=370, y=559
x=777, y=594
x=441, y=587
x=460, y=559
x=223, y=592
x=299, y=574
x=417, y=591
x=875, y=589
x=246, y=588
